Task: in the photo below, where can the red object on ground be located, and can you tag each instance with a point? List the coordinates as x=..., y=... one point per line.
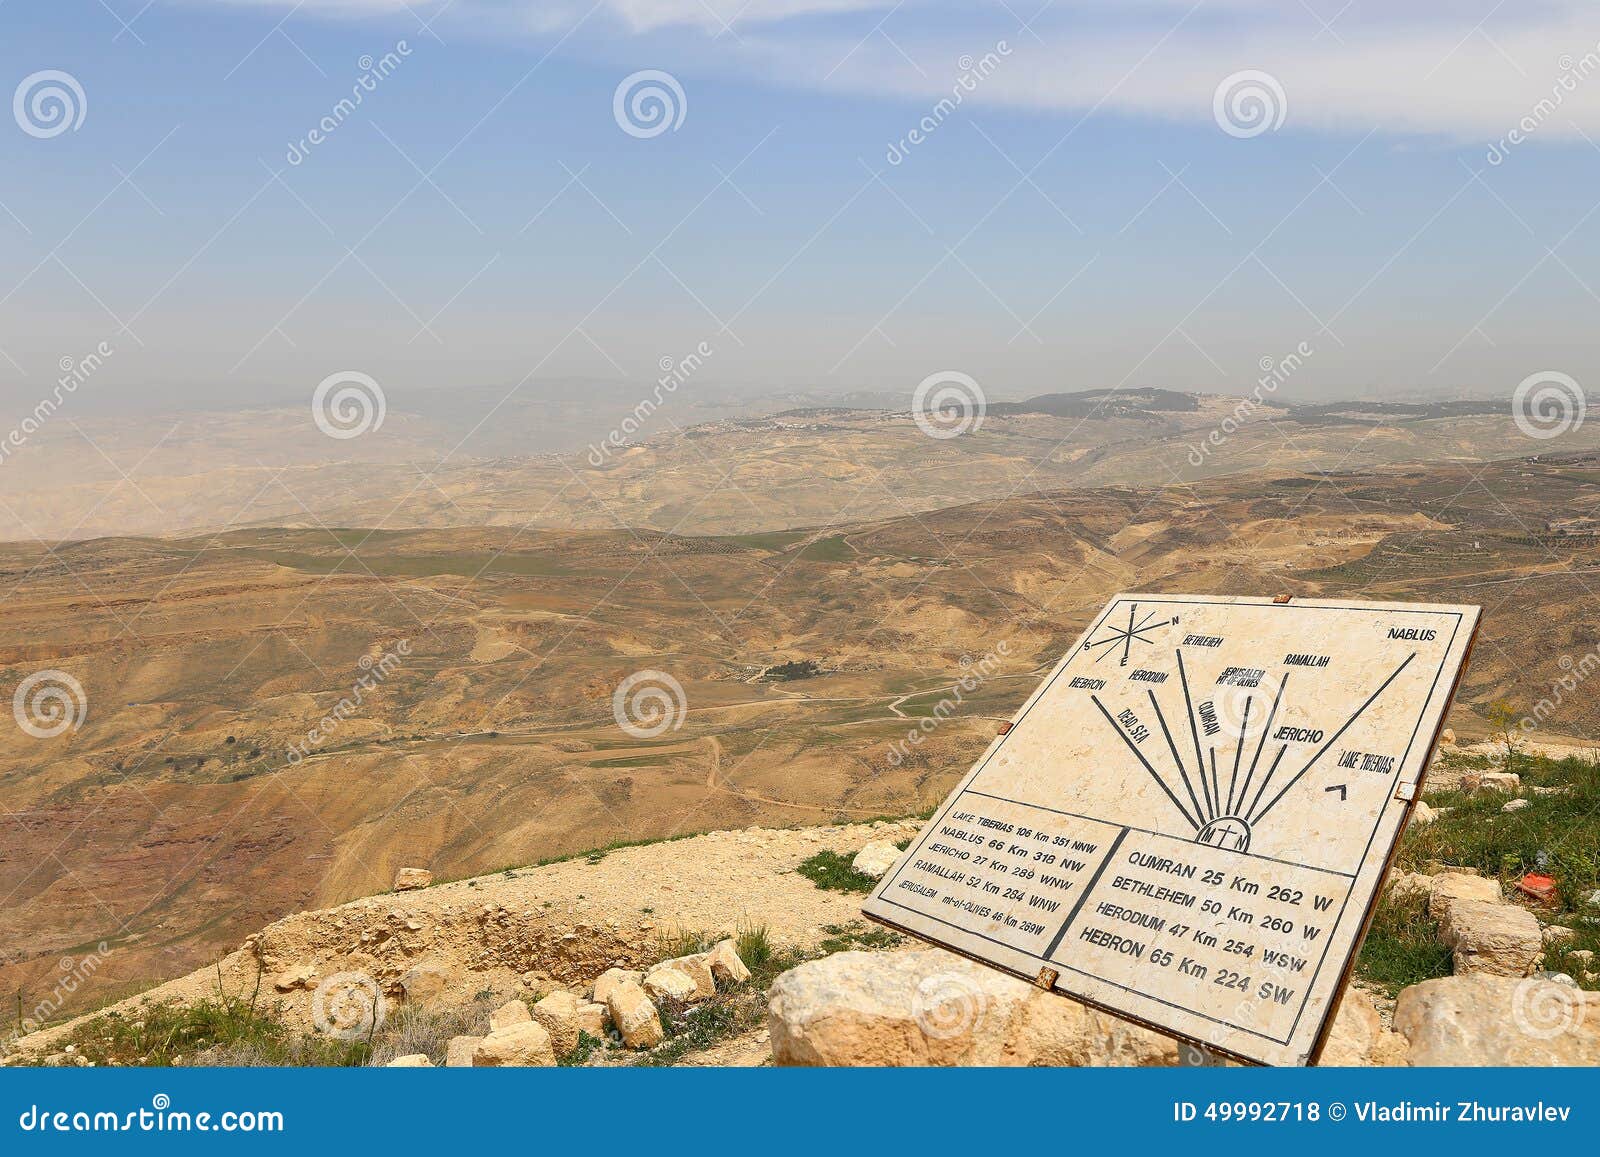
x=1537, y=886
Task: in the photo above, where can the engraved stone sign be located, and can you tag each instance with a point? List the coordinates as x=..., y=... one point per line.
x=1187, y=824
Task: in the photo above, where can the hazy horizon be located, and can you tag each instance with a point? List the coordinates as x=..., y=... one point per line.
x=244, y=198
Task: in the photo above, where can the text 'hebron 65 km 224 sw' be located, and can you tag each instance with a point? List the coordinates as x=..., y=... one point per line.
x=1187, y=823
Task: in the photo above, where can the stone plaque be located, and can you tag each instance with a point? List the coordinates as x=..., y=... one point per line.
x=1187, y=824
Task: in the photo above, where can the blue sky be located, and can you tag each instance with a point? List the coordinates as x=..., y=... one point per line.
x=1082, y=219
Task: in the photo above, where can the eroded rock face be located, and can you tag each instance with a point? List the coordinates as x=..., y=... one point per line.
x=1492, y=1020
x=934, y=1008
x=1497, y=939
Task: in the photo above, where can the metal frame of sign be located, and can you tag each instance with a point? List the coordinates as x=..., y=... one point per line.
x=1002, y=915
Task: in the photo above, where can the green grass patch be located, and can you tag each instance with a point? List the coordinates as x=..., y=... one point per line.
x=754, y=946
x=231, y=1030
x=580, y=1053
x=831, y=871
x=774, y=541
x=831, y=549
x=1555, y=834
x=857, y=936
x=683, y=942
x=1402, y=946
x=633, y=761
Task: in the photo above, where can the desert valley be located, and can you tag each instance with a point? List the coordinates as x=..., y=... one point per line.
x=376, y=664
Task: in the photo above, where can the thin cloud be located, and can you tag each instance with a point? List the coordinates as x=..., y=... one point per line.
x=1462, y=70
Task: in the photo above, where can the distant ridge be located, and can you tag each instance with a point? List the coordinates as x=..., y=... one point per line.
x=1102, y=403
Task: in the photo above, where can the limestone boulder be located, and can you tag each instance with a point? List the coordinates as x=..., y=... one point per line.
x=698, y=969
x=726, y=964
x=635, y=1018
x=1448, y=887
x=1358, y=1035
x=511, y=1013
x=933, y=1008
x=410, y=1061
x=525, y=1044
x=1497, y=939
x=1405, y=885
x=299, y=976
x=410, y=879
x=458, y=1051
x=1422, y=815
x=876, y=859
x=1492, y=1020
x=610, y=979
x=558, y=1014
x=424, y=982
x=594, y=1019
x=1503, y=781
x=665, y=983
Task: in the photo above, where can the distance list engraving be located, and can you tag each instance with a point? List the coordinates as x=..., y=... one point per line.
x=1189, y=820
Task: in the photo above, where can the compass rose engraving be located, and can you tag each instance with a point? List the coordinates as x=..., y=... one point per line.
x=1134, y=631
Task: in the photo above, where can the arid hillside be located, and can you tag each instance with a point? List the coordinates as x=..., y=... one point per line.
x=273, y=720
x=694, y=468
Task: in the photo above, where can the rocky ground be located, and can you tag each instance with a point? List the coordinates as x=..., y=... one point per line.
x=744, y=948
